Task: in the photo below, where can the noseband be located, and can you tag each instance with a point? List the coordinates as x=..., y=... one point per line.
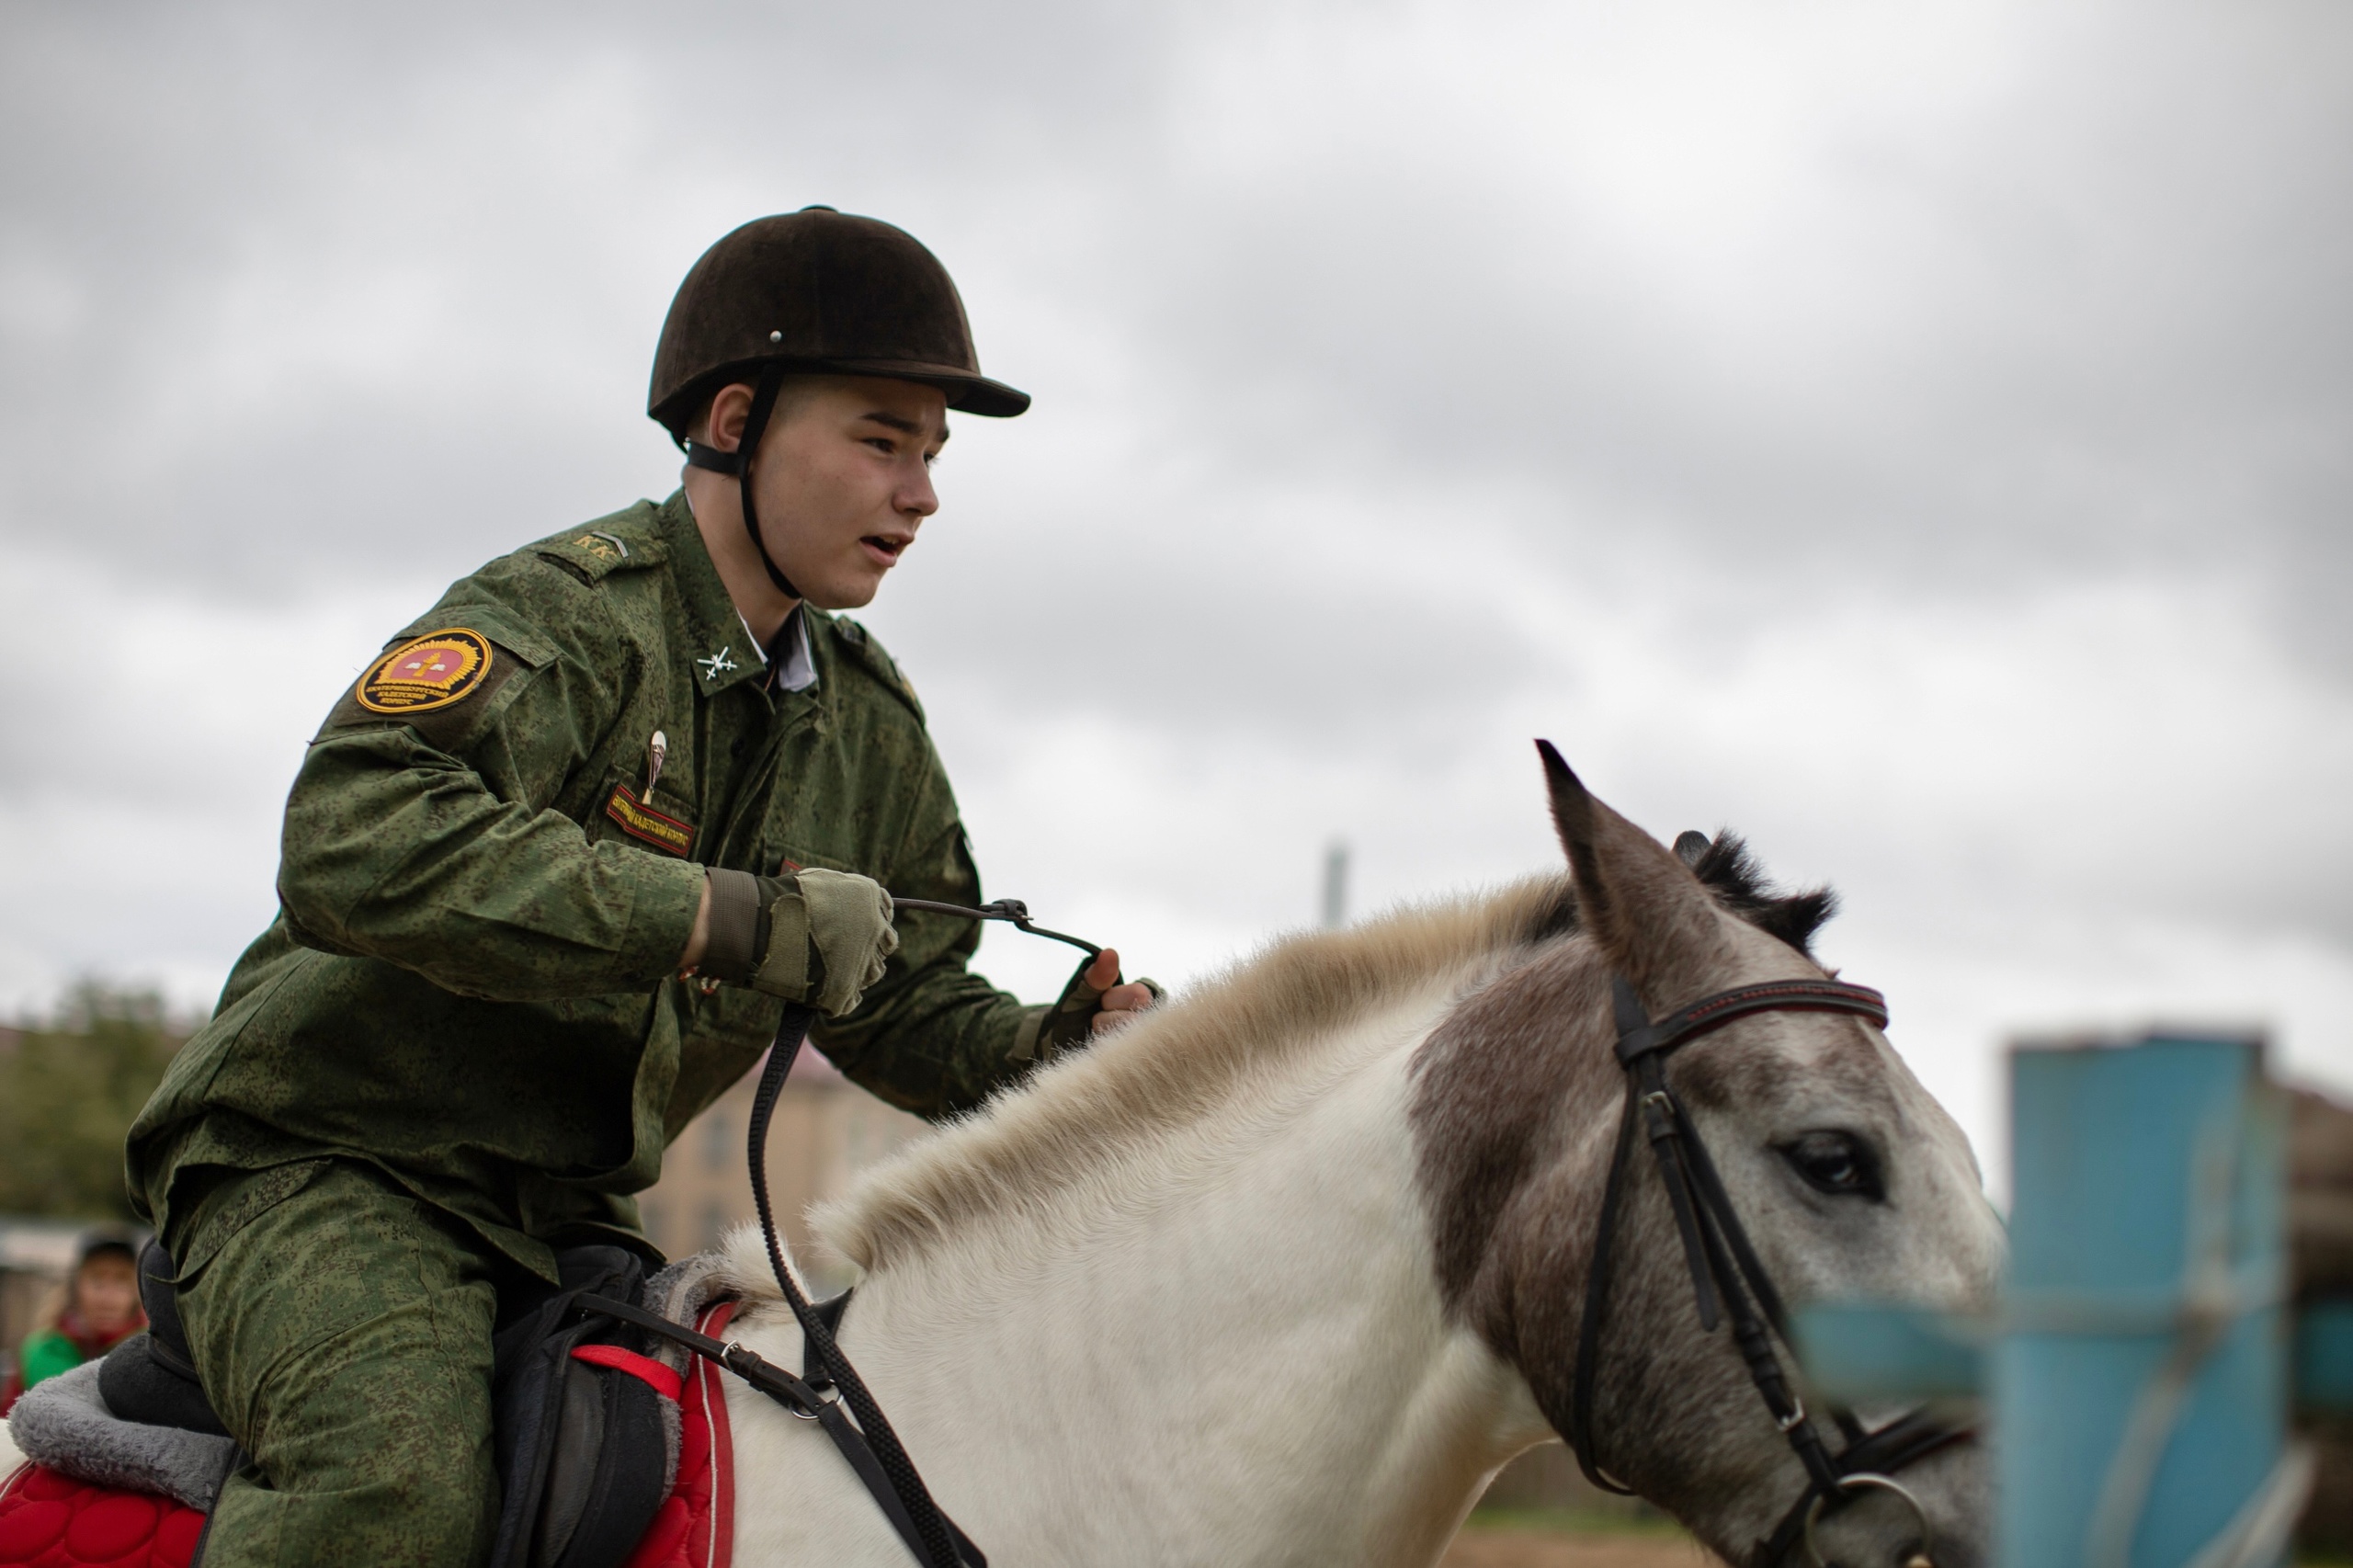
x=1724, y=1265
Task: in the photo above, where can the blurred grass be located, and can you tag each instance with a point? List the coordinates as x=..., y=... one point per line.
x=1651, y=1524
x=1648, y=1523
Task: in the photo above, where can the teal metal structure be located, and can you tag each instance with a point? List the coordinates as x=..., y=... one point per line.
x=2139, y=1370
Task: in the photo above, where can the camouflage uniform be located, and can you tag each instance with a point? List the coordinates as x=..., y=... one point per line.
x=461, y=1041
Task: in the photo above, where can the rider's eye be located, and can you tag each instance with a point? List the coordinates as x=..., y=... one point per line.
x=1836, y=1163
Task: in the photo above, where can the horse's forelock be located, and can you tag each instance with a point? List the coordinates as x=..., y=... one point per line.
x=1728, y=871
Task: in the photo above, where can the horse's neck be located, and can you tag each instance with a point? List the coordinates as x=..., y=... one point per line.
x=1232, y=1350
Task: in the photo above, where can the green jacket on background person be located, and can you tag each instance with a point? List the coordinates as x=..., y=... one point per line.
x=45, y=1355
x=50, y=1351
x=470, y=983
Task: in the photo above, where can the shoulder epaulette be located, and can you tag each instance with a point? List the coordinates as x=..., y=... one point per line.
x=624, y=541
x=861, y=645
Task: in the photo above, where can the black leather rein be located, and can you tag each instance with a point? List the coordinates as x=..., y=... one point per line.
x=1724, y=1264
x=1008, y=909
x=871, y=1446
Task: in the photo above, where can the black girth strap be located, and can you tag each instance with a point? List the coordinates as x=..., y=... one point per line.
x=1728, y=1280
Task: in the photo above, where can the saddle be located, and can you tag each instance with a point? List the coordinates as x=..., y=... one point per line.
x=589, y=1436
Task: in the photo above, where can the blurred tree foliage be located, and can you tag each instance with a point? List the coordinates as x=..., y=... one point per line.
x=69, y=1088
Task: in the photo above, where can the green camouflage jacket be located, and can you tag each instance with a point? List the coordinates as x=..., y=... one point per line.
x=469, y=983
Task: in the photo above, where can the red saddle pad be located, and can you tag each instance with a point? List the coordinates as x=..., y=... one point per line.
x=49, y=1520
x=696, y=1528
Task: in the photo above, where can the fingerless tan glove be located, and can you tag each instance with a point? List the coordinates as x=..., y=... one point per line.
x=814, y=936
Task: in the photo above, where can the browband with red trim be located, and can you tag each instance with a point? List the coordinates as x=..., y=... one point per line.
x=1639, y=1037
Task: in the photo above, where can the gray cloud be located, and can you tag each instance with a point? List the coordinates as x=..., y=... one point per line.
x=1916, y=437
x=323, y=275
x=2094, y=326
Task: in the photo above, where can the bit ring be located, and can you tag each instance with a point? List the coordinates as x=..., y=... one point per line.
x=1919, y=1558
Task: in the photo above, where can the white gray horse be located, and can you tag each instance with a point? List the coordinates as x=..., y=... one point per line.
x=1285, y=1271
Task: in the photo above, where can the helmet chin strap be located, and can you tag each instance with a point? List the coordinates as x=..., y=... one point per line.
x=739, y=463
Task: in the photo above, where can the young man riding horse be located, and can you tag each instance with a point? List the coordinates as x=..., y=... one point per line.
x=552, y=870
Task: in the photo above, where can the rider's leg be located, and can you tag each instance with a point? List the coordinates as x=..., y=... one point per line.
x=343, y=1334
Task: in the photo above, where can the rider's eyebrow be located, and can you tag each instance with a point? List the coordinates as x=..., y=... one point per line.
x=910, y=426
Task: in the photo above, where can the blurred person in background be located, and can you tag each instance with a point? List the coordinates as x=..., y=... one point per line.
x=96, y=1308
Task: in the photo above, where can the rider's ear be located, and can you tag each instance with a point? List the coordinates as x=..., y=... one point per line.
x=1659, y=927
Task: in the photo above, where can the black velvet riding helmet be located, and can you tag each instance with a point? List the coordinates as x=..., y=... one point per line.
x=812, y=291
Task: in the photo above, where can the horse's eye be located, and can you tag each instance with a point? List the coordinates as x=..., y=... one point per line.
x=1838, y=1164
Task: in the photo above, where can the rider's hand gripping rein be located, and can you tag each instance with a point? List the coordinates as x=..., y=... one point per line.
x=814, y=936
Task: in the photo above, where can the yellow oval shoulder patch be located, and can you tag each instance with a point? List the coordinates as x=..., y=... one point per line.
x=434, y=671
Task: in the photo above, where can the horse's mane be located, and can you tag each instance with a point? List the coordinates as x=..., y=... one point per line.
x=1178, y=1063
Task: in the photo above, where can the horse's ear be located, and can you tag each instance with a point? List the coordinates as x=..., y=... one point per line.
x=1656, y=924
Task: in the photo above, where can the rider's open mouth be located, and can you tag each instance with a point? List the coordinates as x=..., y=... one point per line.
x=888, y=549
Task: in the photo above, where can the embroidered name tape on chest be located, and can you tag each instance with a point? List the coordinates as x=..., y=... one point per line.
x=433, y=671
x=641, y=821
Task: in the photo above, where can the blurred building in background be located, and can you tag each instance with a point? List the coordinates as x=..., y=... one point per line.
x=1336, y=885
x=826, y=1129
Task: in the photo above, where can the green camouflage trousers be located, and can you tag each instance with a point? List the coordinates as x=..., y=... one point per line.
x=343, y=1330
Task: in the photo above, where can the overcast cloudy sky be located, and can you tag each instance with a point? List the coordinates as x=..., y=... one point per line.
x=1915, y=435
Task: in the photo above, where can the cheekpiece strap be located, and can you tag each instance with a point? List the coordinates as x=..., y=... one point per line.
x=1717, y=1252
x=1634, y=1029
x=1637, y=1037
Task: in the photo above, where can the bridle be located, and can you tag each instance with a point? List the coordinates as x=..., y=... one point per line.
x=1724, y=1264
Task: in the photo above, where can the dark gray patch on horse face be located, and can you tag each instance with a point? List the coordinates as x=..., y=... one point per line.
x=1516, y=1106
x=1494, y=1084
